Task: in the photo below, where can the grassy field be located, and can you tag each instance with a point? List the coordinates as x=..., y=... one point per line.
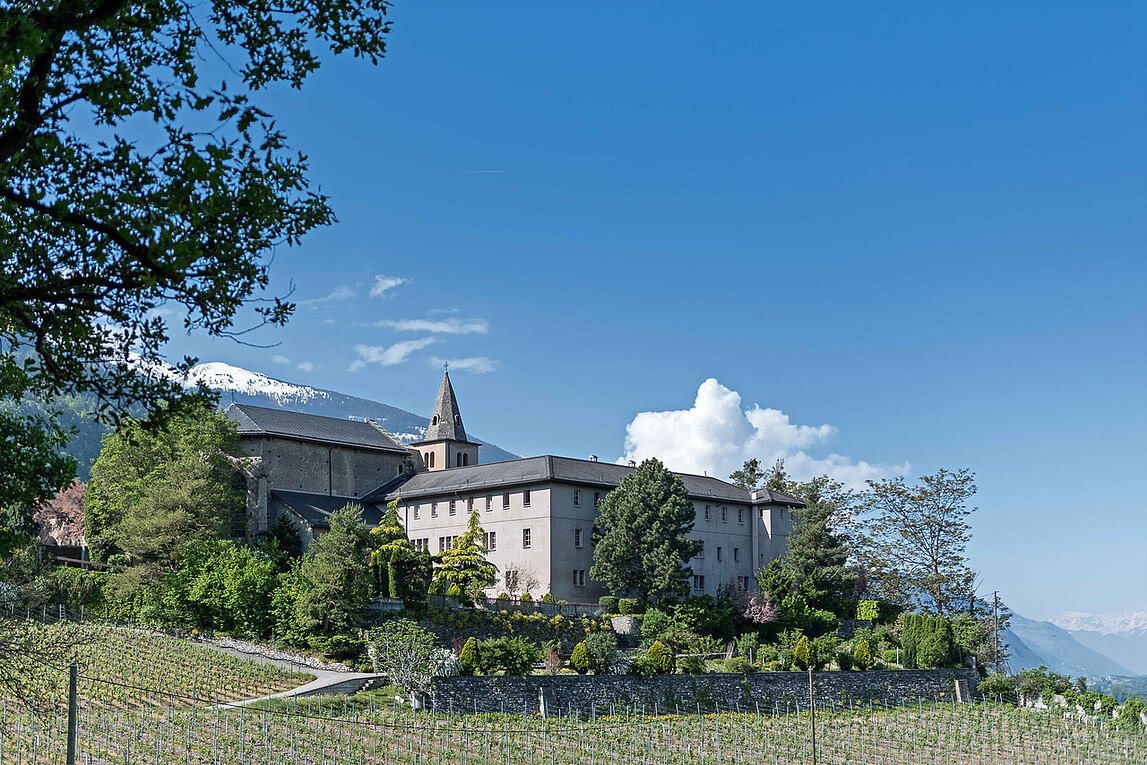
x=168, y=725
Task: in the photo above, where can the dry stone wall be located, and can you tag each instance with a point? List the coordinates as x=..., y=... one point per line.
x=670, y=693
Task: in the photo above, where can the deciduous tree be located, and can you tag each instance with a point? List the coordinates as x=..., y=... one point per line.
x=640, y=543
x=749, y=476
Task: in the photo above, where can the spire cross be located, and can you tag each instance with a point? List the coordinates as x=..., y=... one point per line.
x=446, y=365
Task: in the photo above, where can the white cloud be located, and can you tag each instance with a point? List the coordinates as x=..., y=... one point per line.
x=305, y=366
x=440, y=326
x=716, y=436
x=339, y=293
x=280, y=359
x=476, y=364
x=384, y=283
x=387, y=356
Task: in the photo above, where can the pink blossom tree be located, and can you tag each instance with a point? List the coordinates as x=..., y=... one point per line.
x=761, y=609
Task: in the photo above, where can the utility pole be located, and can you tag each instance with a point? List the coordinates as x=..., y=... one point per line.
x=812, y=715
x=996, y=629
x=73, y=713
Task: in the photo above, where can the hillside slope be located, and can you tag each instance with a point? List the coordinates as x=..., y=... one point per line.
x=1059, y=651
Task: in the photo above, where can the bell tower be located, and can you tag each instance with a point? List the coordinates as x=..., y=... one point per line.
x=445, y=444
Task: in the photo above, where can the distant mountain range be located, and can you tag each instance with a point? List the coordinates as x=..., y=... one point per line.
x=242, y=386
x=1123, y=637
x=1033, y=643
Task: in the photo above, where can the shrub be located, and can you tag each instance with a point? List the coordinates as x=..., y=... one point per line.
x=443, y=663
x=824, y=650
x=454, y=591
x=739, y=665
x=997, y=686
x=868, y=610
x=655, y=623
x=469, y=656
x=643, y=666
x=862, y=655
x=514, y=656
x=775, y=666
x=503, y=596
x=548, y=598
x=579, y=659
x=553, y=660
x=844, y=661
x=609, y=603
x=663, y=659
x=602, y=650
x=691, y=665
x=803, y=653
x=891, y=655
x=785, y=658
x=558, y=623
x=627, y=606
x=526, y=598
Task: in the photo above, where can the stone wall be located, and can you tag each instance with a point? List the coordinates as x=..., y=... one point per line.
x=593, y=693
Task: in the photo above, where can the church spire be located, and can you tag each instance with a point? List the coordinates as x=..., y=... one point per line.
x=446, y=422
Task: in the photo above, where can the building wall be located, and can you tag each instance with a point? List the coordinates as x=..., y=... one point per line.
x=445, y=454
x=323, y=469
x=554, y=515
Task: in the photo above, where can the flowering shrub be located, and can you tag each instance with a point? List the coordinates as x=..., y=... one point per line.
x=761, y=609
x=443, y=663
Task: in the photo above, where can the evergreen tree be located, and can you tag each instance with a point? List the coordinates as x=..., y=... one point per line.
x=403, y=572
x=155, y=490
x=639, y=538
x=778, y=479
x=465, y=564
x=336, y=578
x=750, y=475
x=816, y=551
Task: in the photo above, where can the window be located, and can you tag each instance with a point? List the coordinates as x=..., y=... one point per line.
x=465, y=460
x=490, y=541
x=579, y=577
x=577, y=498
x=700, y=549
x=526, y=498
x=740, y=515
x=399, y=470
x=441, y=544
x=724, y=515
x=698, y=581
x=454, y=507
x=736, y=554
x=416, y=512
x=431, y=459
x=577, y=537
x=596, y=499
x=506, y=501
x=433, y=509
x=458, y=460
x=526, y=538
x=708, y=512
x=434, y=420
x=718, y=553
x=489, y=504
x=469, y=504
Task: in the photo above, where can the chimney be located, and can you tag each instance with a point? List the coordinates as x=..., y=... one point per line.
x=633, y=463
x=593, y=458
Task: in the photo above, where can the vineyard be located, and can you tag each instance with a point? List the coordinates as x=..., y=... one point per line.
x=148, y=699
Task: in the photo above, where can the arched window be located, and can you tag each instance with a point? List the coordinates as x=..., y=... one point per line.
x=434, y=420
x=465, y=459
x=431, y=459
x=458, y=460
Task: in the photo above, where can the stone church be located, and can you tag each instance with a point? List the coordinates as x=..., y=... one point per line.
x=537, y=512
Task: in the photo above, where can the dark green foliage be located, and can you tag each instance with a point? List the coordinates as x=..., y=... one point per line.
x=654, y=624
x=469, y=656
x=336, y=577
x=639, y=537
x=739, y=665
x=132, y=179
x=891, y=655
x=643, y=667
x=707, y=615
x=803, y=606
x=627, y=606
x=579, y=658
x=283, y=543
x=465, y=565
x=223, y=586
x=514, y=656
x=926, y=641
x=601, y=647
x=691, y=665
x=824, y=649
x=155, y=490
x=662, y=657
x=750, y=475
x=609, y=603
x=816, y=551
x=844, y=661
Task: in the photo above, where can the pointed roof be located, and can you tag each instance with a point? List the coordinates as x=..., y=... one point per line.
x=446, y=422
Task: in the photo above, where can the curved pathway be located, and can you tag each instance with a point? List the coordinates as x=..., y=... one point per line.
x=325, y=681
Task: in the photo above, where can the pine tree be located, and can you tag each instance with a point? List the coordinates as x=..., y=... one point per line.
x=639, y=538
x=816, y=553
x=465, y=564
x=402, y=571
x=750, y=475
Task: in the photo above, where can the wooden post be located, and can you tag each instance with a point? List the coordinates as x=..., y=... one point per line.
x=812, y=716
x=73, y=712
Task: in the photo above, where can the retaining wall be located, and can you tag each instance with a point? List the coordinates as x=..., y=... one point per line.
x=592, y=693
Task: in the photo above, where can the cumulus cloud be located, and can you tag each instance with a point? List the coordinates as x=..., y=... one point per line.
x=387, y=356
x=305, y=366
x=384, y=283
x=438, y=326
x=476, y=364
x=716, y=435
x=280, y=359
x=339, y=293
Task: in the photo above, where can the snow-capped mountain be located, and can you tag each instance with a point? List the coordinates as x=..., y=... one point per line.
x=1123, y=637
x=1119, y=624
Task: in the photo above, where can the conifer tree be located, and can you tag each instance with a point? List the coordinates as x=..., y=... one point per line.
x=639, y=538
x=749, y=476
x=402, y=571
x=465, y=564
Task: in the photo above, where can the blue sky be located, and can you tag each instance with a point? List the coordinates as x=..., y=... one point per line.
x=921, y=225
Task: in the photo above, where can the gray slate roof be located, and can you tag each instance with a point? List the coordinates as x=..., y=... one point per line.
x=316, y=509
x=264, y=421
x=607, y=475
x=446, y=422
